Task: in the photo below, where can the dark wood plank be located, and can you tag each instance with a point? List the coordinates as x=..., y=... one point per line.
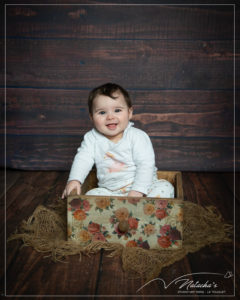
x=218, y=190
x=29, y=190
x=2, y=135
x=160, y=113
x=211, y=189
x=119, y=2
x=14, y=208
x=2, y=236
x=233, y=186
x=161, y=64
x=2, y=181
x=8, y=178
x=57, y=152
x=208, y=261
x=197, y=154
x=123, y=285
x=162, y=46
x=20, y=188
x=2, y=60
x=121, y=22
x=28, y=273
x=32, y=274
x=120, y=285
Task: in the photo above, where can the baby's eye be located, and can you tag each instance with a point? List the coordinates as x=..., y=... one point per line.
x=117, y=110
x=102, y=112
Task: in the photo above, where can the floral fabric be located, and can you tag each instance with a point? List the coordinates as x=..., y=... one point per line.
x=153, y=223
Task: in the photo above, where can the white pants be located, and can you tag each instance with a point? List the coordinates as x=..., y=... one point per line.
x=160, y=188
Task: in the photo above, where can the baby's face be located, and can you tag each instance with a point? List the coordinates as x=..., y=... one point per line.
x=111, y=116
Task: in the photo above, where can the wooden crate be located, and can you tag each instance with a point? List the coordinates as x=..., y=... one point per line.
x=103, y=214
x=175, y=177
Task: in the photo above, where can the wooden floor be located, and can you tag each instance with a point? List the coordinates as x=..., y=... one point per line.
x=29, y=273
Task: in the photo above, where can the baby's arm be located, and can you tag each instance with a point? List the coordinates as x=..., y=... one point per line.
x=144, y=159
x=72, y=185
x=82, y=164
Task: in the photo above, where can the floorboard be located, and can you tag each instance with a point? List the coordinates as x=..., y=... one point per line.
x=31, y=273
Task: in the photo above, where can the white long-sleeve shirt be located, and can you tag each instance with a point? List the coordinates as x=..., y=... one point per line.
x=131, y=161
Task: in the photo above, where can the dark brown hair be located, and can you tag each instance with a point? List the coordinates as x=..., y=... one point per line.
x=107, y=89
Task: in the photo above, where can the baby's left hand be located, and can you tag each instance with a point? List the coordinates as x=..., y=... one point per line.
x=135, y=194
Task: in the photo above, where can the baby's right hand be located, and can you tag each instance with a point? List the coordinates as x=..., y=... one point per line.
x=72, y=185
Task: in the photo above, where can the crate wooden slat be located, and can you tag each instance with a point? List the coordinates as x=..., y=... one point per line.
x=175, y=177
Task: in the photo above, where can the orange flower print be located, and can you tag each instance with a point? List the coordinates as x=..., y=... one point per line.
x=164, y=241
x=93, y=227
x=79, y=215
x=149, y=209
x=84, y=236
x=161, y=213
x=122, y=213
x=131, y=244
x=102, y=203
x=133, y=223
x=149, y=229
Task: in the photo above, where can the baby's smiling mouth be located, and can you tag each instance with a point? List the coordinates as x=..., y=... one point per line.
x=111, y=125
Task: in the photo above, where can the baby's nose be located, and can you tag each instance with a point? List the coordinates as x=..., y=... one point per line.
x=110, y=115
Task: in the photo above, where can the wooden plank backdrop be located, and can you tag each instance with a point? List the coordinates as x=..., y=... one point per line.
x=176, y=61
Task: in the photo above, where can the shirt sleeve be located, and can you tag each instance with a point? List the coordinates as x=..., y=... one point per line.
x=144, y=159
x=84, y=159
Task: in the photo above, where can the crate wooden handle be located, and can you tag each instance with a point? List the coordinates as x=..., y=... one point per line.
x=123, y=226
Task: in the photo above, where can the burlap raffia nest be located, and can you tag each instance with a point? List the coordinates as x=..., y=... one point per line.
x=45, y=231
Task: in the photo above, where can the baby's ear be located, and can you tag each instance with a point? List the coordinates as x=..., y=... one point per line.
x=91, y=117
x=130, y=112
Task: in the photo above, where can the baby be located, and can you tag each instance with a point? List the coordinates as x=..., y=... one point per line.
x=123, y=154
